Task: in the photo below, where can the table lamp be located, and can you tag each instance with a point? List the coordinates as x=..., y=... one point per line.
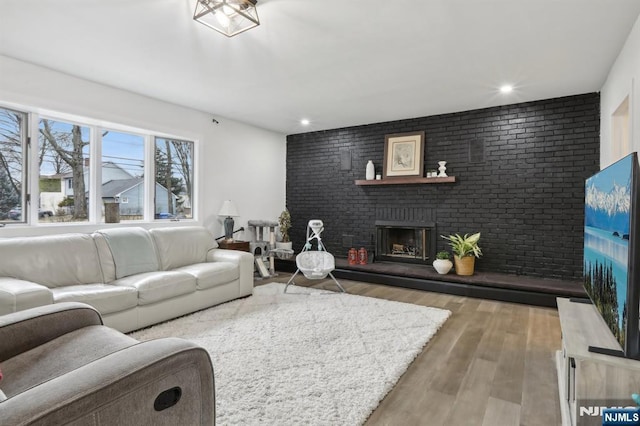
x=229, y=210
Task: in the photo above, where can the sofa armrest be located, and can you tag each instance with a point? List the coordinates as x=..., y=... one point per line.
x=24, y=330
x=244, y=261
x=16, y=295
x=122, y=388
x=225, y=255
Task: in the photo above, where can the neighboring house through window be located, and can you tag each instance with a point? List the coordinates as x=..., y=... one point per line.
x=64, y=150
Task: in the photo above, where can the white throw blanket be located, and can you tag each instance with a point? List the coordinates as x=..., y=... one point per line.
x=132, y=249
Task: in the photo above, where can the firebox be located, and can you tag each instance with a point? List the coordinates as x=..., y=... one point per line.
x=413, y=242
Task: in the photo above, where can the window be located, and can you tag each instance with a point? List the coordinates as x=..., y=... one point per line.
x=63, y=150
x=173, y=179
x=123, y=173
x=80, y=164
x=13, y=143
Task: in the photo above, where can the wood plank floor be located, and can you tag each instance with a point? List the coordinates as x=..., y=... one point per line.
x=492, y=363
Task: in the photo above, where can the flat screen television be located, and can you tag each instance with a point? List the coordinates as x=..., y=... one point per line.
x=612, y=251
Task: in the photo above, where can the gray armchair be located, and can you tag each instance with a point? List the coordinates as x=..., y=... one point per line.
x=62, y=366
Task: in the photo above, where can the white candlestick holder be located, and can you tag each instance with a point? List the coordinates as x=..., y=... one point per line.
x=442, y=169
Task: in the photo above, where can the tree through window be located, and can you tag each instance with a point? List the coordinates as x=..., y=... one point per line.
x=64, y=152
x=173, y=179
x=13, y=137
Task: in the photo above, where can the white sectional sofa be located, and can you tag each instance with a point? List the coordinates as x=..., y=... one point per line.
x=134, y=277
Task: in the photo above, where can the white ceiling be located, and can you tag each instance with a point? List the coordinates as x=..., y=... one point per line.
x=336, y=62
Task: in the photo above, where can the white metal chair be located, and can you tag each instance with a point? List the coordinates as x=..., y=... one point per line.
x=314, y=264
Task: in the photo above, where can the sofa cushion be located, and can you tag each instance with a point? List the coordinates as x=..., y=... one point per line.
x=212, y=274
x=153, y=287
x=132, y=249
x=182, y=246
x=106, y=298
x=105, y=257
x=16, y=295
x=53, y=260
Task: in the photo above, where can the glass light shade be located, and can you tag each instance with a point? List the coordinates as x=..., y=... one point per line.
x=229, y=17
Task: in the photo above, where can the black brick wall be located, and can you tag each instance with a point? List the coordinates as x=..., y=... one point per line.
x=520, y=173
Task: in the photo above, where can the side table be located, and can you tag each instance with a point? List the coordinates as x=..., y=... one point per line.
x=234, y=245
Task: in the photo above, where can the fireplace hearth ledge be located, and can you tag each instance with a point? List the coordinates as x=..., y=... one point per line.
x=486, y=285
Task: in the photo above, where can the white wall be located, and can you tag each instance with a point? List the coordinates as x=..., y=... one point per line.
x=234, y=160
x=623, y=80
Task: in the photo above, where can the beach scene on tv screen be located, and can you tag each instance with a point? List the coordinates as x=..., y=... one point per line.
x=606, y=243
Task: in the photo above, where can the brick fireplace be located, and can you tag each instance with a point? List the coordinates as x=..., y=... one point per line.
x=519, y=172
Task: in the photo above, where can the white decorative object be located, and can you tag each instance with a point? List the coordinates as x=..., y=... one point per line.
x=371, y=171
x=287, y=335
x=442, y=169
x=442, y=266
x=259, y=231
x=281, y=245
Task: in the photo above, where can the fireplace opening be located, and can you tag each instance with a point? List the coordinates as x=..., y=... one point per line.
x=405, y=241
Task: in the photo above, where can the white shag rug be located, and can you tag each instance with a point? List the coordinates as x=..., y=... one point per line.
x=306, y=357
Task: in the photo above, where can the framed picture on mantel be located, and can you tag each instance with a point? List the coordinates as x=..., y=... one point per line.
x=403, y=154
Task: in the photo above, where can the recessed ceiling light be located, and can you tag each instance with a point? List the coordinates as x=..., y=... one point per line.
x=507, y=88
x=304, y=122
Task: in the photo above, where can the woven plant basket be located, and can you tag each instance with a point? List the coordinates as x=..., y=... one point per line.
x=464, y=265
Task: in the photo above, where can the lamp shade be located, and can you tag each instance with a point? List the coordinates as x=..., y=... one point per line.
x=228, y=209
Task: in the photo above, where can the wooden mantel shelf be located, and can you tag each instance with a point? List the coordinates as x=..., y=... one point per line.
x=407, y=180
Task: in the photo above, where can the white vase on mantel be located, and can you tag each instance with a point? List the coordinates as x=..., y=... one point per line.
x=442, y=169
x=371, y=171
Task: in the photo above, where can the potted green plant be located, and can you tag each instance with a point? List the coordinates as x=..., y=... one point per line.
x=284, y=221
x=465, y=250
x=442, y=264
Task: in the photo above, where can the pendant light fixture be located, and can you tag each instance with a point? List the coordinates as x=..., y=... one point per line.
x=229, y=17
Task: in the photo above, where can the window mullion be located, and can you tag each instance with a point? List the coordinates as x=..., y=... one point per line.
x=149, y=178
x=195, y=195
x=95, y=174
x=32, y=168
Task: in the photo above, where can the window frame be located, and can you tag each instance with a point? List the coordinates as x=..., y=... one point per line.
x=146, y=172
x=31, y=192
x=90, y=188
x=25, y=143
x=154, y=141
